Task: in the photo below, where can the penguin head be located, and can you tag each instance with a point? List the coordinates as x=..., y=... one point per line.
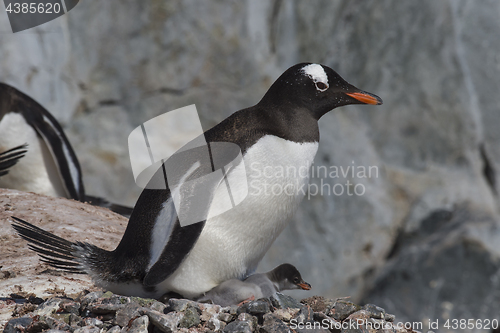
x=287, y=277
x=315, y=88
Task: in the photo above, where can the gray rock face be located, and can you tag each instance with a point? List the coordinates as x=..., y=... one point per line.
x=453, y=262
x=433, y=146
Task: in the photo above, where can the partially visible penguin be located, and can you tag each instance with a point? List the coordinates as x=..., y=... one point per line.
x=157, y=255
x=50, y=165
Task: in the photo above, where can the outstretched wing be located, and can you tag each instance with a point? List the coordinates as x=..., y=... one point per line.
x=10, y=157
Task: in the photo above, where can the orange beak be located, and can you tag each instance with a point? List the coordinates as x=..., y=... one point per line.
x=365, y=98
x=304, y=285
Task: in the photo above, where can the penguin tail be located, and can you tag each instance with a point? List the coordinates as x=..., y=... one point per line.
x=53, y=250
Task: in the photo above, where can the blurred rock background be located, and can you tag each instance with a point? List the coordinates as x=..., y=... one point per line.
x=423, y=240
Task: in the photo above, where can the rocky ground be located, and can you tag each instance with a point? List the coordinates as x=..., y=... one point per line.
x=35, y=298
x=94, y=312
x=21, y=272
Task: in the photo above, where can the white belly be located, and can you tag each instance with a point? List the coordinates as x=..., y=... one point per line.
x=232, y=244
x=36, y=171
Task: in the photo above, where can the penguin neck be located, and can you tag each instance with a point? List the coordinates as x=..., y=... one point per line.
x=289, y=122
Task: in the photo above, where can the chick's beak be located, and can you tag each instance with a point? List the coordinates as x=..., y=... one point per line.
x=304, y=285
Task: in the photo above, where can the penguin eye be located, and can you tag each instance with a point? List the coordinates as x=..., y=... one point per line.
x=296, y=280
x=321, y=86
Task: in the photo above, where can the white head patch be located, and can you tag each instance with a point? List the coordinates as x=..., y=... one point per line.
x=317, y=74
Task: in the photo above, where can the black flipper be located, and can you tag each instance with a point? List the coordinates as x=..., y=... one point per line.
x=10, y=157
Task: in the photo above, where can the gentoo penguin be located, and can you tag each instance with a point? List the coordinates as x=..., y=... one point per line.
x=234, y=291
x=50, y=165
x=10, y=157
x=157, y=255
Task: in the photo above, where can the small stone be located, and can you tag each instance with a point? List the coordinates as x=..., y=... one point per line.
x=108, y=304
x=126, y=313
x=89, y=321
x=215, y=324
x=249, y=319
x=57, y=324
x=342, y=309
x=38, y=324
x=105, y=308
x=157, y=306
x=207, y=313
x=286, y=314
x=70, y=307
x=238, y=327
x=107, y=294
x=175, y=304
x=191, y=318
x=17, y=325
x=143, y=301
x=245, y=317
x=324, y=319
x=140, y=325
x=87, y=329
x=64, y=317
x=74, y=320
x=23, y=309
x=360, y=315
x=305, y=314
x=164, y=322
x=91, y=297
x=114, y=329
x=233, y=310
x=374, y=311
x=390, y=317
x=49, y=307
x=318, y=303
x=211, y=309
x=282, y=301
x=258, y=307
x=225, y=317
x=273, y=324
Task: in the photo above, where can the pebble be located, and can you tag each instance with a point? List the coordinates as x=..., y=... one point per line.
x=191, y=317
x=342, y=309
x=49, y=307
x=139, y=325
x=374, y=311
x=17, y=325
x=238, y=327
x=164, y=322
x=282, y=301
x=272, y=324
x=258, y=307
